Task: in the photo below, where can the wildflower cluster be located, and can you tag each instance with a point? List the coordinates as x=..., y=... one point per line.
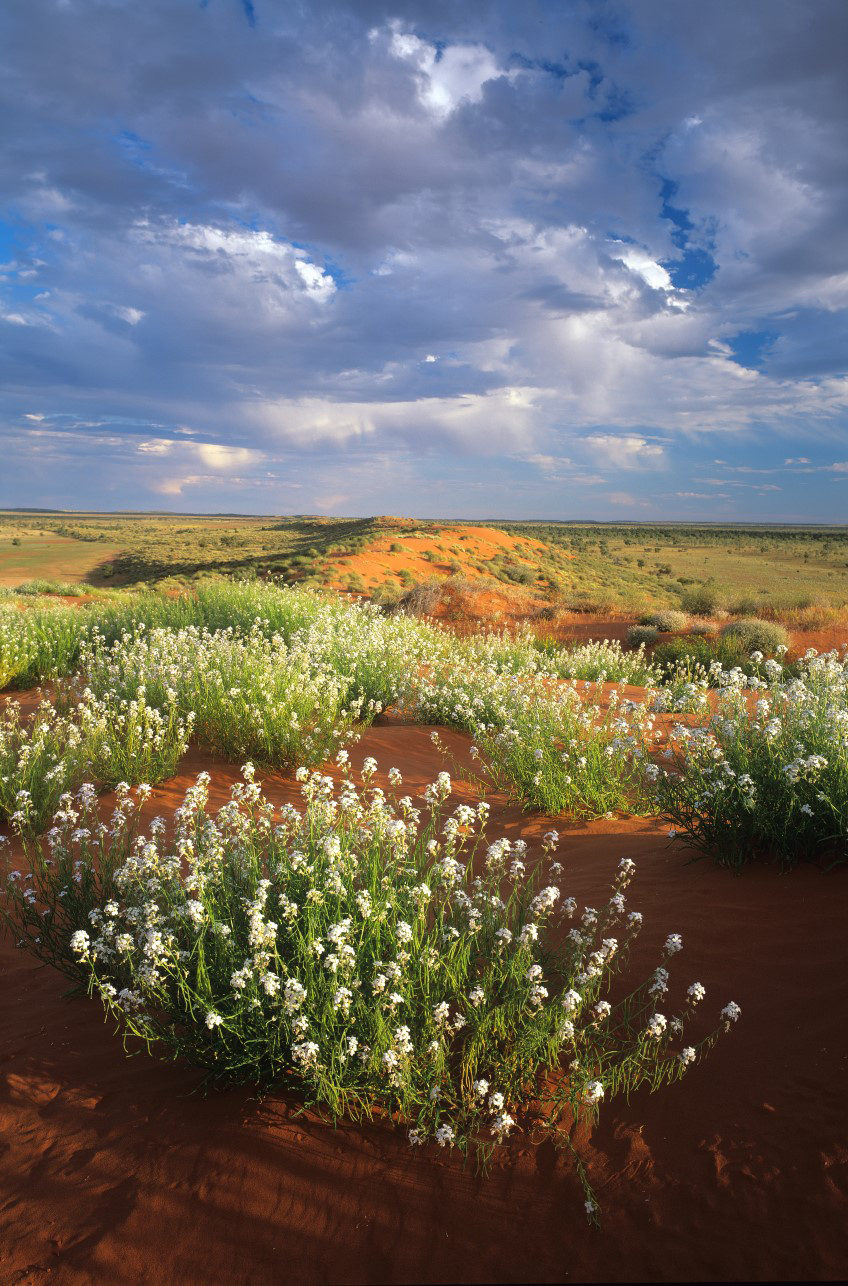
x=552, y=744
x=768, y=777
x=140, y=694
x=108, y=738
x=371, y=960
x=523, y=653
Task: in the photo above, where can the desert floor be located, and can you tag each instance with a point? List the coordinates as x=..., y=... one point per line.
x=115, y=1169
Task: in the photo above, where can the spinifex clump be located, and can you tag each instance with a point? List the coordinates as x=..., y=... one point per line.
x=372, y=961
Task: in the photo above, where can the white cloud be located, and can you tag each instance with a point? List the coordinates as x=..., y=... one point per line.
x=130, y=315
x=624, y=498
x=226, y=458
x=261, y=265
x=445, y=77
x=703, y=495
x=501, y=235
x=626, y=451
x=319, y=285
x=487, y=423
x=327, y=503
x=640, y=262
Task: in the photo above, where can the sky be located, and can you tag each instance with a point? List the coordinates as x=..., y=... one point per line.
x=557, y=259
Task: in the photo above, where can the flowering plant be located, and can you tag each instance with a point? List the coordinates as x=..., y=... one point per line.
x=768, y=777
x=371, y=960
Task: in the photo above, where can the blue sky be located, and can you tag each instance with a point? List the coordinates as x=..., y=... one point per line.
x=562, y=260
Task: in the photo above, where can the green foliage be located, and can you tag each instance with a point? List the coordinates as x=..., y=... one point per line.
x=39, y=760
x=545, y=744
x=713, y=654
x=360, y=959
x=767, y=782
x=753, y=635
x=669, y=621
x=669, y=656
x=705, y=600
x=33, y=587
x=640, y=635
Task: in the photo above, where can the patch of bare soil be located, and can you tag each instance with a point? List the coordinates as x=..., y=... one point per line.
x=832, y=638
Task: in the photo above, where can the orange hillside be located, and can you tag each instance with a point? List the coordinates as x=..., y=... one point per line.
x=444, y=551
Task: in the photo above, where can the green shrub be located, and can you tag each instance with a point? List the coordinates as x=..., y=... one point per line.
x=386, y=596
x=39, y=760
x=106, y=739
x=550, y=747
x=744, y=606
x=706, y=600
x=639, y=635
x=676, y=653
x=754, y=635
x=47, y=587
x=669, y=621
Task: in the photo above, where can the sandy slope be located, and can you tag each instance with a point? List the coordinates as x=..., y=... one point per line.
x=112, y=1171
x=462, y=545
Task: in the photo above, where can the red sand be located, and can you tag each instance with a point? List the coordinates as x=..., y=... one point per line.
x=832, y=638
x=462, y=545
x=113, y=1171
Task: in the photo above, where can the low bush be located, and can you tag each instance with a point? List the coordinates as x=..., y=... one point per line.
x=39, y=761
x=601, y=662
x=422, y=599
x=754, y=635
x=704, y=600
x=550, y=747
x=769, y=782
x=716, y=655
x=107, y=739
x=679, y=653
x=745, y=606
x=641, y=635
x=39, y=643
x=669, y=621
x=361, y=959
x=47, y=587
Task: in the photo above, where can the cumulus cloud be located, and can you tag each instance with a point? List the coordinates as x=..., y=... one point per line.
x=626, y=451
x=479, y=423
x=424, y=232
x=445, y=77
x=216, y=455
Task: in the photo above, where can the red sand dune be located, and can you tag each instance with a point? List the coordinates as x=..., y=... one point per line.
x=112, y=1170
x=463, y=545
